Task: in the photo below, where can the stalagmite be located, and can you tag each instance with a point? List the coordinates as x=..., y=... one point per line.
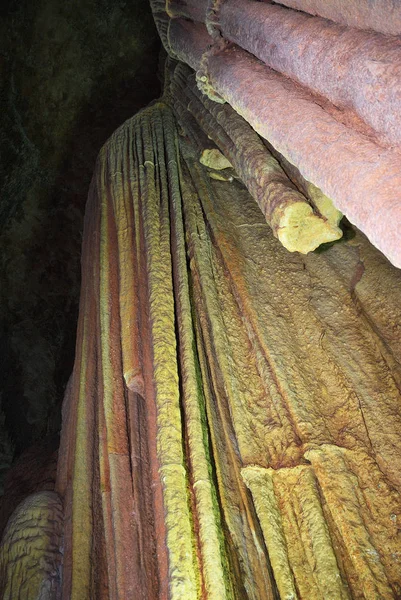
x=31, y=552
x=232, y=426
x=254, y=367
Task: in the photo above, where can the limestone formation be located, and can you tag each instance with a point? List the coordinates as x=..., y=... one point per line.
x=287, y=211
x=31, y=550
x=232, y=426
x=334, y=138
x=210, y=361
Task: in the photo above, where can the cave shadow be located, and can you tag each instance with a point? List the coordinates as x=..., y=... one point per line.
x=59, y=248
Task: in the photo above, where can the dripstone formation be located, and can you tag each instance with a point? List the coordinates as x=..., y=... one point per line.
x=232, y=425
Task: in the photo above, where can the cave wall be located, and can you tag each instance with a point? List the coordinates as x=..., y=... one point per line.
x=70, y=73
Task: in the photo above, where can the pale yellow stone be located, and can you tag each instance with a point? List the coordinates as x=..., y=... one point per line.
x=365, y=510
x=220, y=176
x=324, y=204
x=259, y=481
x=299, y=229
x=214, y=159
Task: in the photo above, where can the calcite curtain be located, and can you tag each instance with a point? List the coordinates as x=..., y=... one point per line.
x=232, y=427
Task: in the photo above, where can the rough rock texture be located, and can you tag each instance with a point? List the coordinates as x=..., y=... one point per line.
x=210, y=361
x=232, y=425
x=31, y=550
x=287, y=211
x=355, y=70
x=379, y=15
x=361, y=177
x=70, y=73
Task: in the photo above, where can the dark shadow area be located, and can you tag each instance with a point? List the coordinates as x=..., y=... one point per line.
x=69, y=76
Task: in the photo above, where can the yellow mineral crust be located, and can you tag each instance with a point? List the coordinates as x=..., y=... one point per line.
x=214, y=567
x=214, y=159
x=259, y=481
x=299, y=229
x=153, y=187
x=31, y=549
x=366, y=511
x=233, y=419
x=297, y=537
x=324, y=204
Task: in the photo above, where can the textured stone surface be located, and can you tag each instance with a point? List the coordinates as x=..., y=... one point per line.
x=379, y=15
x=232, y=426
x=210, y=361
x=357, y=70
x=334, y=154
x=348, y=167
x=31, y=550
x=289, y=508
x=287, y=211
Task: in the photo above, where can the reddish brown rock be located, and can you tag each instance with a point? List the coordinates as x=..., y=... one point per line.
x=355, y=70
x=362, y=178
x=378, y=15
x=249, y=358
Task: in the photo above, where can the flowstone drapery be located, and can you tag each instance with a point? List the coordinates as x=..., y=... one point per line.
x=243, y=369
x=232, y=424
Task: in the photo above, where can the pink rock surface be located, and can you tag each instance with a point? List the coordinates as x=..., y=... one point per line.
x=356, y=70
x=379, y=15
x=189, y=40
x=362, y=178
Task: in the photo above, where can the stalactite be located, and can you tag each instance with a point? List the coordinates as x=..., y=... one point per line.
x=288, y=213
x=310, y=50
